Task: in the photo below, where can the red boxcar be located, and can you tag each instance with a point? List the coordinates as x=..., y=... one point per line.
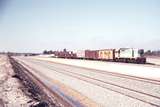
x=91, y=54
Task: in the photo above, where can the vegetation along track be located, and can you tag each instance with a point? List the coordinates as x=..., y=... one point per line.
x=132, y=93
x=37, y=88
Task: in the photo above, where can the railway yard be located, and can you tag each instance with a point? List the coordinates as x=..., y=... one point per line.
x=79, y=53
x=57, y=82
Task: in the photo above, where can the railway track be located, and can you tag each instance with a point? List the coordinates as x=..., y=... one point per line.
x=51, y=97
x=147, y=80
x=132, y=93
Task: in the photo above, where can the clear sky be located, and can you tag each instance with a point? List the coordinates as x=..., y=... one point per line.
x=35, y=25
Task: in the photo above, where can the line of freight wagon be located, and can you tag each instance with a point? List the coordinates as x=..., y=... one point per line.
x=128, y=55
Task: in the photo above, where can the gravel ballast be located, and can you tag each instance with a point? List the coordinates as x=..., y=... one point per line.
x=17, y=89
x=11, y=94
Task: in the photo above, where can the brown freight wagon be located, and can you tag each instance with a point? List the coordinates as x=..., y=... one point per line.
x=91, y=54
x=106, y=54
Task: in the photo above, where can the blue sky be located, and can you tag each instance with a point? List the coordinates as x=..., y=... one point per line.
x=35, y=25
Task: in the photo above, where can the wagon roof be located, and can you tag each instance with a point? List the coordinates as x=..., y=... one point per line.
x=105, y=49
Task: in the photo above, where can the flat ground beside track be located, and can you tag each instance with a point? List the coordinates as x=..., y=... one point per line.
x=154, y=60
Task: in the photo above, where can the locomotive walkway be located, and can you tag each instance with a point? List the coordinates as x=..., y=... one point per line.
x=90, y=87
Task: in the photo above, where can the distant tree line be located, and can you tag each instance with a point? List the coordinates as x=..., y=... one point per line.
x=53, y=52
x=19, y=54
x=152, y=53
x=48, y=52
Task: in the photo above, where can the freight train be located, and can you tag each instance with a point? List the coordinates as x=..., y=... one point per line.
x=128, y=55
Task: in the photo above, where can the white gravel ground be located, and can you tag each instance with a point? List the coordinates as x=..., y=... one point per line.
x=10, y=93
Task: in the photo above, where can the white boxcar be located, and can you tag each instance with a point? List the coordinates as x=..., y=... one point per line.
x=126, y=53
x=80, y=54
x=129, y=53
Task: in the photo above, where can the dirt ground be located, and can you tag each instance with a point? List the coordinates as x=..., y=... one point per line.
x=153, y=60
x=11, y=94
